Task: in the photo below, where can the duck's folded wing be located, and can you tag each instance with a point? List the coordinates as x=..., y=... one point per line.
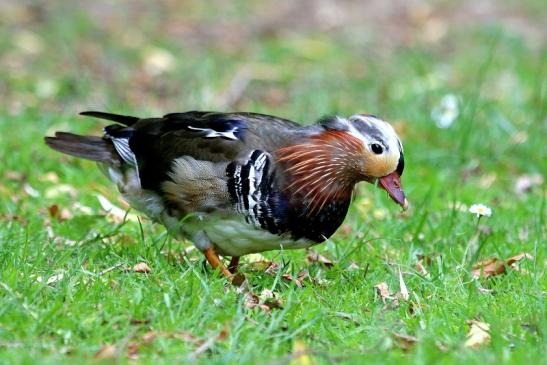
x=153, y=144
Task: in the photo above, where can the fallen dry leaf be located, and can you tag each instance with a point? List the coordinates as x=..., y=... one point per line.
x=132, y=351
x=105, y=352
x=265, y=303
x=138, y=322
x=272, y=303
x=404, y=342
x=382, y=290
x=58, y=213
x=287, y=277
x=302, y=276
x=53, y=210
x=494, y=266
x=272, y=269
x=314, y=257
x=526, y=183
x=14, y=175
x=251, y=300
x=421, y=268
x=487, y=268
x=514, y=259
x=478, y=335
x=142, y=267
x=238, y=279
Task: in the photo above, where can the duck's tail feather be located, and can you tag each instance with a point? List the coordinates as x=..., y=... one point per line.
x=88, y=147
x=122, y=119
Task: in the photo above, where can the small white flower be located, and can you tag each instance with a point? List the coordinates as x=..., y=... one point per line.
x=480, y=210
x=157, y=61
x=446, y=112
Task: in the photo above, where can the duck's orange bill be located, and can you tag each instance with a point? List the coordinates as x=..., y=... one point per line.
x=392, y=184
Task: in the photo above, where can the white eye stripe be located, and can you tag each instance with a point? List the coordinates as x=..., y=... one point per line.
x=387, y=136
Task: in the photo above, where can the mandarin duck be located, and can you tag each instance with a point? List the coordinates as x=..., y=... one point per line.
x=241, y=183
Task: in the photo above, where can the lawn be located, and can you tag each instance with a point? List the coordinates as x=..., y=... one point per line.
x=466, y=92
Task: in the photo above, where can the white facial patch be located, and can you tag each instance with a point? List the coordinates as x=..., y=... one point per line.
x=386, y=132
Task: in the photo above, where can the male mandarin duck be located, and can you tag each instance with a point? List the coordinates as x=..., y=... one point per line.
x=240, y=183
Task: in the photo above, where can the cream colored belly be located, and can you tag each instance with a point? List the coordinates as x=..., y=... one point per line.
x=235, y=237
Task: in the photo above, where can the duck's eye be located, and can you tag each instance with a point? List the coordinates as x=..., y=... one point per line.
x=376, y=148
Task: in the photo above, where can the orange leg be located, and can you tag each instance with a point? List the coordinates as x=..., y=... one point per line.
x=214, y=261
x=232, y=266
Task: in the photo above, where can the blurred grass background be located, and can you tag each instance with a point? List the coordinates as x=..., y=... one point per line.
x=463, y=82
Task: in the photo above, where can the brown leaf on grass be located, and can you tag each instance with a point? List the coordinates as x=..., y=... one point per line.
x=526, y=183
x=272, y=268
x=252, y=300
x=487, y=268
x=14, y=175
x=238, y=279
x=57, y=213
x=142, y=267
x=302, y=276
x=421, y=268
x=105, y=352
x=132, y=351
x=287, y=277
x=53, y=210
x=13, y=218
x=266, y=301
x=494, y=266
x=514, y=259
x=382, y=289
x=478, y=335
x=427, y=260
x=314, y=257
x=138, y=322
x=404, y=342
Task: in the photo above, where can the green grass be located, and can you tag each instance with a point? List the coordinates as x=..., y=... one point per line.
x=498, y=76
